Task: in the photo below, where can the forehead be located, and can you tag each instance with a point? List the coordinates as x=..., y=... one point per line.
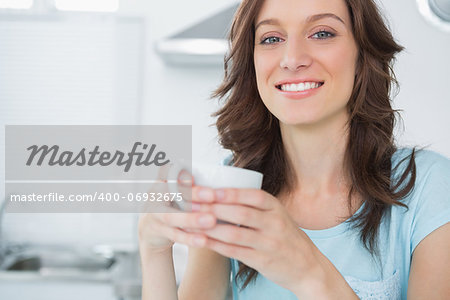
x=300, y=10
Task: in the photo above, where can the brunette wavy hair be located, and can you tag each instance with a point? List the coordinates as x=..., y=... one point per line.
x=252, y=133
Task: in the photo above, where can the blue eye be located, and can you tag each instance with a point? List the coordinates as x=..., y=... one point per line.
x=322, y=35
x=271, y=40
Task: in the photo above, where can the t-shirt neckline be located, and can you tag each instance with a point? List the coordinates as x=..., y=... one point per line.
x=332, y=231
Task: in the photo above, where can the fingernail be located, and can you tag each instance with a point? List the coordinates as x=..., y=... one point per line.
x=220, y=194
x=196, y=207
x=206, y=220
x=205, y=194
x=185, y=178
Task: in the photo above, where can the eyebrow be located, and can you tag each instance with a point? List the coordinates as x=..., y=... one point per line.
x=321, y=16
x=310, y=19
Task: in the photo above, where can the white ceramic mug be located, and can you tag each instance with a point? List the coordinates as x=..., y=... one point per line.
x=216, y=176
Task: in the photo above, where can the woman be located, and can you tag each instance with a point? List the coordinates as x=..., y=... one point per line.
x=343, y=213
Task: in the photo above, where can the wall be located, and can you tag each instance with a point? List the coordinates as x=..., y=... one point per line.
x=423, y=71
x=168, y=96
x=179, y=95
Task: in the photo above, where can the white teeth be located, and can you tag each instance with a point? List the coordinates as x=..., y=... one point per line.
x=300, y=87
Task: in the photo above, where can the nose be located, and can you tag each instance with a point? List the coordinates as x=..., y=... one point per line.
x=296, y=56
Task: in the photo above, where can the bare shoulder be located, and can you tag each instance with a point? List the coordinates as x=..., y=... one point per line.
x=430, y=266
x=207, y=276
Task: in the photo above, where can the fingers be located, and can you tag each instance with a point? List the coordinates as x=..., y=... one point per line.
x=194, y=196
x=235, y=235
x=157, y=229
x=202, y=194
x=184, y=228
x=241, y=253
x=237, y=206
x=187, y=220
x=251, y=197
x=180, y=236
x=186, y=186
x=239, y=214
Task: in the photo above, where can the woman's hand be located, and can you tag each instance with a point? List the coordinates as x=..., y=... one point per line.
x=267, y=239
x=159, y=231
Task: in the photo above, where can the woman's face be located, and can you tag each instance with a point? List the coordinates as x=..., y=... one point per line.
x=305, y=59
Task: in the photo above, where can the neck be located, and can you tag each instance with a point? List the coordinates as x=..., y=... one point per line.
x=317, y=156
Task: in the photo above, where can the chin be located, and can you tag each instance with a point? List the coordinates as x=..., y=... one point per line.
x=297, y=121
x=291, y=116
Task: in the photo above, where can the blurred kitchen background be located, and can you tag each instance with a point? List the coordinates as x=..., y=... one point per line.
x=156, y=63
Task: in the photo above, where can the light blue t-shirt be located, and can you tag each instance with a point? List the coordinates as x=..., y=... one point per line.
x=400, y=232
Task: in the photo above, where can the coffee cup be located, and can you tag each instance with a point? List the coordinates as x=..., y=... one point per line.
x=215, y=176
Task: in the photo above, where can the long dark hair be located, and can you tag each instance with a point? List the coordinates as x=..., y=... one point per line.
x=252, y=133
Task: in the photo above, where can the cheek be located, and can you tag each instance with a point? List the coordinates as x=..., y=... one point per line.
x=265, y=65
x=346, y=63
x=342, y=66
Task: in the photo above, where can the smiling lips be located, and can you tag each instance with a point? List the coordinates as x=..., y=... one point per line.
x=297, y=90
x=299, y=87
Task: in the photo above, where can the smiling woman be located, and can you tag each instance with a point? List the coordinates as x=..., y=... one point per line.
x=344, y=213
